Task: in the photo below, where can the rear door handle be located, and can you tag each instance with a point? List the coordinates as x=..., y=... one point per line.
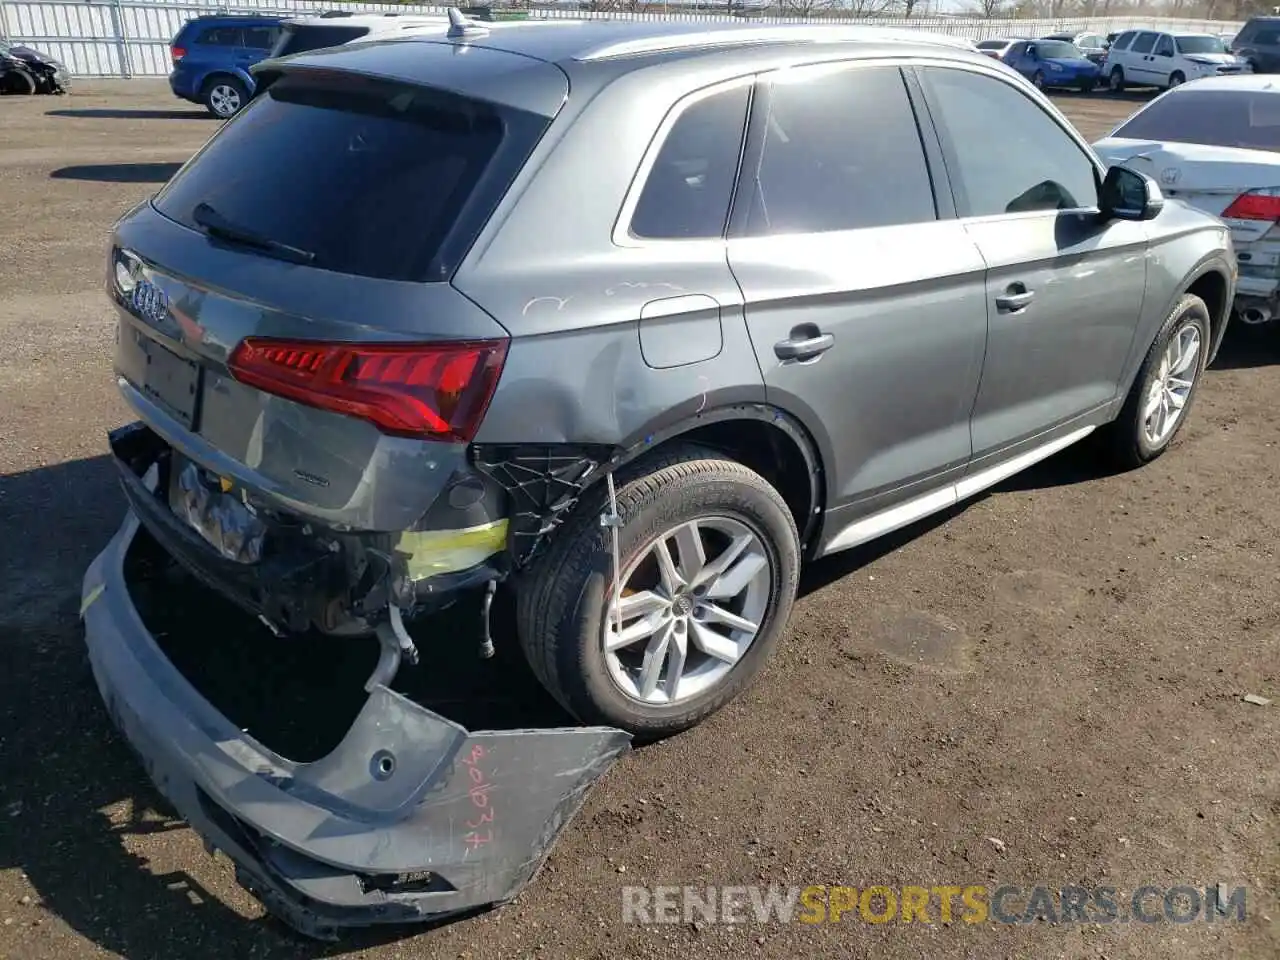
x=1014, y=299
x=805, y=343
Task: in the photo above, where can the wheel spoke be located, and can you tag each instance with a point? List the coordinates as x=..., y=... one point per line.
x=633, y=633
x=734, y=580
x=717, y=614
x=714, y=643
x=1176, y=400
x=693, y=556
x=671, y=580
x=641, y=604
x=722, y=563
x=677, y=651
x=655, y=655
x=1153, y=404
x=1187, y=354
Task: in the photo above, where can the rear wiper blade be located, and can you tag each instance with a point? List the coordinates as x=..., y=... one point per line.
x=215, y=224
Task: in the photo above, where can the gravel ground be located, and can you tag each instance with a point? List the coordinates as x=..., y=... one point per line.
x=1042, y=687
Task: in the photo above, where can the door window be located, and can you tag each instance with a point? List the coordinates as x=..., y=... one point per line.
x=1165, y=47
x=841, y=151
x=261, y=38
x=1144, y=43
x=686, y=195
x=1005, y=154
x=221, y=37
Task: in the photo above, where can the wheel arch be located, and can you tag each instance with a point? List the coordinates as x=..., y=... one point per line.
x=225, y=73
x=761, y=436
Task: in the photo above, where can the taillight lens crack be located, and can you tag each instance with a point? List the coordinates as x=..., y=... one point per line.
x=431, y=391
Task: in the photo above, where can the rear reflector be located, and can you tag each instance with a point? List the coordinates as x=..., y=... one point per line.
x=1262, y=204
x=177, y=53
x=434, y=391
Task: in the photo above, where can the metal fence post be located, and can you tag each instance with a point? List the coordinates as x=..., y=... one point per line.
x=122, y=39
x=4, y=23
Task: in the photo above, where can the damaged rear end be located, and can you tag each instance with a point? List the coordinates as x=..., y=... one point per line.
x=307, y=384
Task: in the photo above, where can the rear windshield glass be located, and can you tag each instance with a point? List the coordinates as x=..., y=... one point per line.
x=361, y=176
x=1058, y=49
x=305, y=37
x=1200, y=45
x=1218, y=118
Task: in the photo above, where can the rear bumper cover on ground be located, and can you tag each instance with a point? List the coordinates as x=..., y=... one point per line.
x=410, y=818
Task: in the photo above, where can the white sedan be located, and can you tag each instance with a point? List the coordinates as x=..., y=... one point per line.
x=1215, y=143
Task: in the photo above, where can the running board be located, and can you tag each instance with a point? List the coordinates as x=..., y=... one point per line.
x=886, y=521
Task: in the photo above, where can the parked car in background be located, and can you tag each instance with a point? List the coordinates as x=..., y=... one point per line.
x=24, y=70
x=1258, y=42
x=1151, y=58
x=1215, y=143
x=1092, y=45
x=1053, y=63
x=997, y=47
x=302, y=34
x=212, y=55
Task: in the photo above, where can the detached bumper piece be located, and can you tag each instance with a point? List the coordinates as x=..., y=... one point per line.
x=410, y=818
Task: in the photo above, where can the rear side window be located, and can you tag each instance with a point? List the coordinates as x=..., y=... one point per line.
x=220, y=37
x=1217, y=118
x=261, y=38
x=841, y=151
x=1144, y=43
x=1031, y=164
x=688, y=190
x=368, y=177
x=306, y=37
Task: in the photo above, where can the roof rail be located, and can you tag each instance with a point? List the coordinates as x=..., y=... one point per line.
x=732, y=35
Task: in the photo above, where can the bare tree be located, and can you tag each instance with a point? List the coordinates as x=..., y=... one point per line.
x=804, y=8
x=868, y=8
x=987, y=9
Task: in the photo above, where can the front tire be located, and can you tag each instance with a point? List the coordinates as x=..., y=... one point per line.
x=1166, y=384
x=224, y=97
x=1116, y=80
x=693, y=635
x=1038, y=80
x=1176, y=79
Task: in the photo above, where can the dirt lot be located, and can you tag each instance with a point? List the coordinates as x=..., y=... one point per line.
x=1043, y=687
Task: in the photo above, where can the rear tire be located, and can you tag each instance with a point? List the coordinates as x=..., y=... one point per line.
x=563, y=600
x=224, y=96
x=1132, y=441
x=1115, y=80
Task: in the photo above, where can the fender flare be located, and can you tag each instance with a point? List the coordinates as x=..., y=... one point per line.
x=759, y=411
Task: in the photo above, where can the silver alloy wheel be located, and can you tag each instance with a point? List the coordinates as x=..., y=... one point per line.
x=1171, y=386
x=224, y=99
x=688, y=619
x=1115, y=79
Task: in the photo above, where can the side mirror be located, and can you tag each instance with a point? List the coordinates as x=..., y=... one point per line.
x=1130, y=195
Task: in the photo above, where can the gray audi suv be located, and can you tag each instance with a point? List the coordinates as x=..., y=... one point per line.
x=633, y=319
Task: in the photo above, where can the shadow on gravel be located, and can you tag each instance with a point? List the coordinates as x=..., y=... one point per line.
x=1246, y=347
x=107, y=113
x=118, y=172
x=74, y=798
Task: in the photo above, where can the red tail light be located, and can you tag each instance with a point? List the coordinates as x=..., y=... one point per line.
x=177, y=53
x=435, y=391
x=1255, y=205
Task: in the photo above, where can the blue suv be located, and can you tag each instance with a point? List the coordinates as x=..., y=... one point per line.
x=211, y=59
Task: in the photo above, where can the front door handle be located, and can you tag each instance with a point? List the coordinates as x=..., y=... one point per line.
x=805, y=343
x=1014, y=299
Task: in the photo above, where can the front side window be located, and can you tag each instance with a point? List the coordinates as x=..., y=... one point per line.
x=687, y=192
x=1122, y=41
x=1144, y=43
x=1032, y=163
x=1165, y=47
x=841, y=151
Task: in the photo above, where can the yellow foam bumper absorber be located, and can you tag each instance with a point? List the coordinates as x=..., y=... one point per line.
x=433, y=552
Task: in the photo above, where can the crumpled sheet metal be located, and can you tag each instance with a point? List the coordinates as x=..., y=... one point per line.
x=411, y=818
